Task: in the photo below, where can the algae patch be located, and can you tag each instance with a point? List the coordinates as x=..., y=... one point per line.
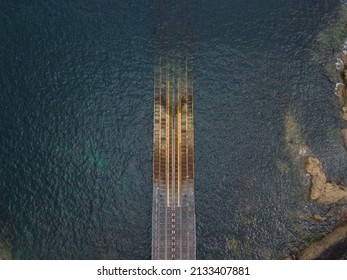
x=282, y=166
x=6, y=237
x=5, y=251
x=295, y=147
x=294, y=140
x=232, y=245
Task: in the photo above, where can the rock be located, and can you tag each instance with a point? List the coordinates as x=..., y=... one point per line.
x=340, y=90
x=321, y=247
x=344, y=113
x=333, y=193
x=343, y=57
x=319, y=218
x=340, y=66
x=322, y=191
x=232, y=245
x=282, y=166
x=314, y=167
x=344, y=136
x=294, y=141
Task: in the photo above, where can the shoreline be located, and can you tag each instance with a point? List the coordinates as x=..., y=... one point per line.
x=322, y=192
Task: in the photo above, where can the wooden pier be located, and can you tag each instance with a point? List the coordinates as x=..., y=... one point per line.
x=173, y=216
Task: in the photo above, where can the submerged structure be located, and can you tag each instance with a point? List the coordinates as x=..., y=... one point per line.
x=173, y=215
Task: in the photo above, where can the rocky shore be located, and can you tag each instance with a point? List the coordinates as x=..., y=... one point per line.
x=332, y=246
x=340, y=89
x=322, y=192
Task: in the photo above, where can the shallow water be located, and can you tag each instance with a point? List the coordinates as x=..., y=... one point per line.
x=76, y=124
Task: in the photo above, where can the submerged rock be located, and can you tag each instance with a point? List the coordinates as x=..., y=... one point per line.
x=322, y=191
x=327, y=43
x=232, y=245
x=5, y=251
x=294, y=141
x=319, y=218
x=7, y=229
x=6, y=232
x=344, y=136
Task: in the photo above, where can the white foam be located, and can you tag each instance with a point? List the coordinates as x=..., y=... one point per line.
x=338, y=63
x=303, y=151
x=338, y=85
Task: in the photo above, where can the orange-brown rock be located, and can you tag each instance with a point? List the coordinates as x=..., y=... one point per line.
x=340, y=66
x=340, y=90
x=344, y=113
x=314, y=167
x=333, y=193
x=344, y=136
x=322, y=191
x=344, y=58
x=319, y=218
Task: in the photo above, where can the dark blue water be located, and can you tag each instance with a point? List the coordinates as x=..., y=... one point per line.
x=76, y=113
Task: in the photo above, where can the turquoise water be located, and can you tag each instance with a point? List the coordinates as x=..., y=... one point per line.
x=76, y=123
